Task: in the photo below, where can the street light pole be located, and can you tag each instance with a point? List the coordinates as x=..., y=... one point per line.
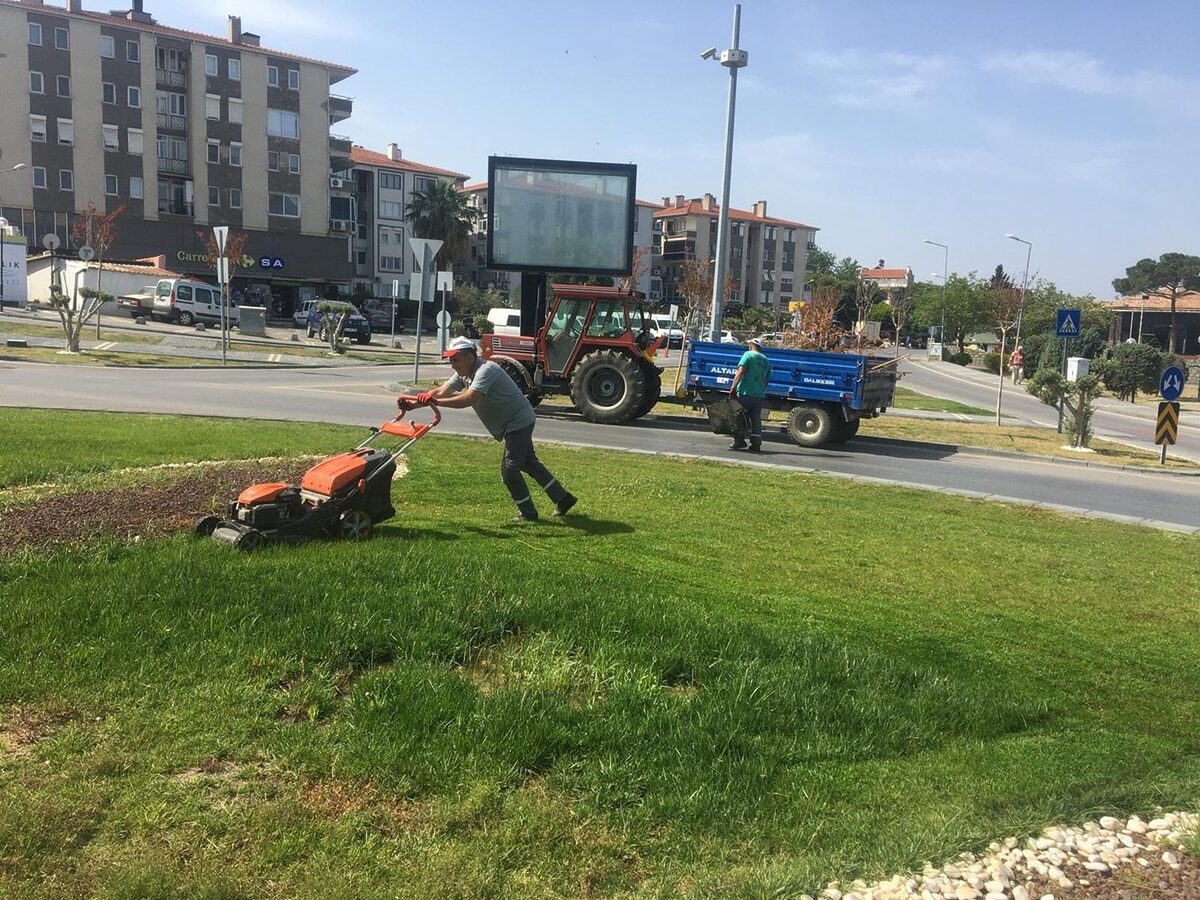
x=733, y=59
x=4, y=233
x=945, y=282
x=1021, y=307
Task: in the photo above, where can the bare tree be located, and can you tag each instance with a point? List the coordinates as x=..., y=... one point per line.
x=1002, y=307
x=641, y=262
x=815, y=329
x=695, y=284
x=98, y=231
x=902, y=303
x=235, y=246
x=866, y=294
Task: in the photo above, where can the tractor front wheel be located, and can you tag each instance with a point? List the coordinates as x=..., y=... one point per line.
x=608, y=387
x=520, y=375
x=810, y=426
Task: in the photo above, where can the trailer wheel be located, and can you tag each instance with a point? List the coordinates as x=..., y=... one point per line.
x=844, y=431
x=354, y=525
x=653, y=389
x=810, y=426
x=608, y=387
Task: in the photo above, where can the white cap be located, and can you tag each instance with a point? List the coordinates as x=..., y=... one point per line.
x=460, y=344
x=755, y=340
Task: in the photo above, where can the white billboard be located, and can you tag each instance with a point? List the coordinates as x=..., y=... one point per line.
x=12, y=269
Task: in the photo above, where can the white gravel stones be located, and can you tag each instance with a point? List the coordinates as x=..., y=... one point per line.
x=1064, y=856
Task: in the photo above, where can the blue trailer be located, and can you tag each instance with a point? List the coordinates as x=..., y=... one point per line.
x=825, y=395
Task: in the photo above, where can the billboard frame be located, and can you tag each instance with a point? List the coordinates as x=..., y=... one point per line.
x=626, y=170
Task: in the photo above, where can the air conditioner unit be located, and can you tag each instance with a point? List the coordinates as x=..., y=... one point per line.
x=337, y=182
x=339, y=225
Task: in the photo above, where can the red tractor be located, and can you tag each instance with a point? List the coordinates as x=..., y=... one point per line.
x=595, y=345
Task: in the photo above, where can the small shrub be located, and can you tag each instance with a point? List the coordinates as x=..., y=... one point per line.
x=991, y=362
x=961, y=358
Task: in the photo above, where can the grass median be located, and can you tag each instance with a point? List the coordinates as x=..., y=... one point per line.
x=714, y=680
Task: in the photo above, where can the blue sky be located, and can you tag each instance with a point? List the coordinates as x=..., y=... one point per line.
x=1071, y=124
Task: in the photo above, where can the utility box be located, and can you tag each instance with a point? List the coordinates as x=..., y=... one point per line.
x=1077, y=367
x=252, y=320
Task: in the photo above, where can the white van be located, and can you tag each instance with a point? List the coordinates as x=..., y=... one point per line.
x=187, y=302
x=504, y=320
x=664, y=326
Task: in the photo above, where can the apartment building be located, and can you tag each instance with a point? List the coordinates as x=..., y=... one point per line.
x=767, y=259
x=482, y=277
x=375, y=195
x=184, y=130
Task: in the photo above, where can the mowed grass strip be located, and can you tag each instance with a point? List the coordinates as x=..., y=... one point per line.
x=715, y=680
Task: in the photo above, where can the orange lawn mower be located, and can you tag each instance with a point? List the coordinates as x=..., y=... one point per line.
x=345, y=496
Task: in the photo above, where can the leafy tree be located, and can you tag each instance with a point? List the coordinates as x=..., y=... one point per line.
x=1000, y=279
x=821, y=262
x=1171, y=273
x=1132, y=368
x=961, y=308
x=1077, y=398
x=443, y=213
x=334, y=314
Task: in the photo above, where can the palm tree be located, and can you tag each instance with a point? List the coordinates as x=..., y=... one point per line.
x=442, y=213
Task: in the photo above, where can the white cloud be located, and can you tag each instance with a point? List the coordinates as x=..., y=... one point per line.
x=860, y=79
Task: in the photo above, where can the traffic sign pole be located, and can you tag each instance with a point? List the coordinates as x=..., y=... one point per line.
x=423, y=281
x=395, y=296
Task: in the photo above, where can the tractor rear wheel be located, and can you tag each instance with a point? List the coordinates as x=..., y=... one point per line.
x=810, y=426
x=653, y=389
x=608, y=387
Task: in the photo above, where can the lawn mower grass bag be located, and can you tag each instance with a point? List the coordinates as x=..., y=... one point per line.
x=727, y=416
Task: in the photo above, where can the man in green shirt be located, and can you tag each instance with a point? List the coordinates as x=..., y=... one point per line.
x=750, y=388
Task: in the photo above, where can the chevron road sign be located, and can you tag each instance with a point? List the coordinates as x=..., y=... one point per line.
x=1167, y=429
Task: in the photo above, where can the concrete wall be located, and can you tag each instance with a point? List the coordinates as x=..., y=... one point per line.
x=16, y=187
x=254, y=140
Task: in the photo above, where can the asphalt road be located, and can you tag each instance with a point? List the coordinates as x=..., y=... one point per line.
x=361, y=396
x=1127, y=423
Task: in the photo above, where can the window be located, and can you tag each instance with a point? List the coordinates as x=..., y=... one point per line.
x=392, y=181
x=423, y=183
x=66, y=180
x=284, y=205
x=235, y=110
x=133, y=51
x=108, y=92
x=134, y=139
x=111, y=185
x=210, y=65
x=63, y=83
x=235, y=154
x=214, y=151
x=108, y=46
x=272, y=160
x=112, y=137
x=391, y=209
x=172, y=104
x=293, y=79
x=62, y=39
x=235, y=198
x=294, y=163
x=37, y=129
x=179, y=148
x=281, y=123
x=133, y=96
x=272, y=76
x=164, y=147
x=362, y=257
x=235, y=70
x=66, y=132
x=212, y=107
x=37, y=84
x=39, y=176
x=391, y=263
x=214, y=196
x=35, y=35
x=135, y=188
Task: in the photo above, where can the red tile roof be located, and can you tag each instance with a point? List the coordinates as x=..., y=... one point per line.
x=695, y=207
x=118, y=22
x=1157, y=301
x=364, y=157
x=884, y=273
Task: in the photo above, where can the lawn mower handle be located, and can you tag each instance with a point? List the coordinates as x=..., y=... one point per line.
x=437, y=413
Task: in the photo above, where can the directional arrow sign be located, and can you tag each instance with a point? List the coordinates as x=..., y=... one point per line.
x=1066, y=323
x=1170, y=385
x=421, y=246
x=1167, y=428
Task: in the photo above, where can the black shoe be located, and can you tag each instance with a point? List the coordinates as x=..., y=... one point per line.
x=521, y=518
x=755, y=448
x=564, y=505
x=737, y=445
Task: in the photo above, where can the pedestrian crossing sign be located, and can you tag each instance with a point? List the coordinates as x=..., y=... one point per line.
x=1066, y=323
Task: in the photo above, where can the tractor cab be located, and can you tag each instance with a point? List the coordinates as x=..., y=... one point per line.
x=580, y=320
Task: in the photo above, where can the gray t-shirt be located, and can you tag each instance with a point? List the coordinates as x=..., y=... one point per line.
x=501, y=406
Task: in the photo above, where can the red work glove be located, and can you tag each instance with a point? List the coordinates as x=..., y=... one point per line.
x=425, y=398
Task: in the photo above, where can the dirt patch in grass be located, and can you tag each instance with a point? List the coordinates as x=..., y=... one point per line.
x=1158, y=880
x=137, y=511
x=21, y=728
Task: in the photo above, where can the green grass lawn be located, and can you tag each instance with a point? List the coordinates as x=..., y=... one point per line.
x=714, y=680
x=909, y=399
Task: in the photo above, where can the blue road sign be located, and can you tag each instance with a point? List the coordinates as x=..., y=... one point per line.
x=1066, y=323
x=1170, y=385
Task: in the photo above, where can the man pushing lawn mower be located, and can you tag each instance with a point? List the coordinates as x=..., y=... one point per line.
x=506, y=414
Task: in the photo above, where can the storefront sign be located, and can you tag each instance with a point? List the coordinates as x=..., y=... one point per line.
x=270, y=262
x=184, y=256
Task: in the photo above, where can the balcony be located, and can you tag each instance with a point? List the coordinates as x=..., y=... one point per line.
x=174, y=207
x=339, y=108
x=812, y=245
x=173, y=166
x=171, y=122
x=339, y=146
x=170, y=78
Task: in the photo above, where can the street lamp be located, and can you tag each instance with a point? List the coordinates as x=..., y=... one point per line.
x=733, y=59
x=945, y=282
x=1024, y=283
x=4, y=232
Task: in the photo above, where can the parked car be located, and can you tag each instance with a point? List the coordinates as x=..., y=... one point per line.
x=771, y=338
x=300, y=316
x=356, y=327
x=140, y=303
x=379, y=314
x=727, y=337
x=187, y=302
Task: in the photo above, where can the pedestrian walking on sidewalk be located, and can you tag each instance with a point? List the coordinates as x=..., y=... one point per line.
x=508, y=417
